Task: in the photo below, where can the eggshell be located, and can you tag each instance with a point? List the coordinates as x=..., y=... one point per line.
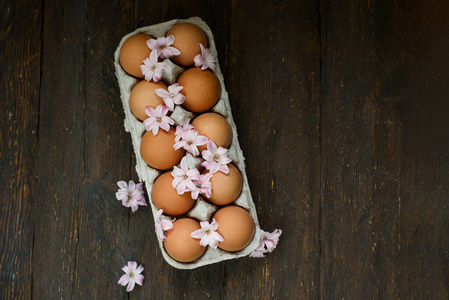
x=201, y=88
x=236, y=226
x=226, y=187
x=142, y=95
x=215, y=128
x=180, y=245
x=157, y=150
x=133, y=52
x=187, y=40
x=167, y=198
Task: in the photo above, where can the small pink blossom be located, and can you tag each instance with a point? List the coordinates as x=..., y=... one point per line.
x=268, y=242
x=180, y=130
x=203, y=186
x=162, y=225
x=157, y=118
x=208, y=234
x=164, y=46
x=172, y=96
x=151, y=68
x=216, y=159
x=184, y=177
x=190, y=141
x=132, y=276
x=205, y=59
x=131, y=195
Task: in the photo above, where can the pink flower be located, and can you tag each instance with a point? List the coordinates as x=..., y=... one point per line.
x=180, y=130
x=162, y=225
x=184, y=177
x=172, y=96
x=190, y=140
x=203, y=186
x=132, y=276
x=268, y=242
x=216, y=159
x=157, y=118
x=208, y=234
x=131, y=195
x=205, y=59
x=151, y=68
x=163, y=46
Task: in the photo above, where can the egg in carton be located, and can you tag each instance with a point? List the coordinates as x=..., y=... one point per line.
x=202, y=210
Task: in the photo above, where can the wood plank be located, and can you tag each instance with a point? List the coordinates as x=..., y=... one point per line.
x=274, y=90
x=61, y=151
x=20, y=58
x=104, y=234
x=383, y=234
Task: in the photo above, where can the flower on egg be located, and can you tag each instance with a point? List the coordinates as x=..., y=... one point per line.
x=131, y=194
x=184, y=177
x=208, y=234
x=132, y=276
x=162, y=225
x=203, y=186
x=190, y=140
x=171, y=96
x=267, y=244
x=180, y=130
x=157, y=118
x=151, y=68
x=205, y=59
x=216, y=159
x=163, y=45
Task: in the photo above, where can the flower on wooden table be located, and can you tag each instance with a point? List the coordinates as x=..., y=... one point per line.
x=132, y=276
x=267, y=244
x=162, y=225
x=157, y=118
x=163, y=45
x=208, y=234
x=171, y=96
x=184, y=177
x=205, y=59
x=131, y=194
x=151, y=68
x=216, y=159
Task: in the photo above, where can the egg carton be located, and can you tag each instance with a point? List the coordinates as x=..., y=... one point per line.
x=202, y=209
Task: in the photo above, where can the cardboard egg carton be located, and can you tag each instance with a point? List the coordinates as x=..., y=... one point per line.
x=202, y=209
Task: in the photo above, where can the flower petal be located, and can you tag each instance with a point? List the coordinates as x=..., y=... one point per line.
x=139, y=279
x=124, y=280
x=131, y=283
x=197, y=234
x=122, y=184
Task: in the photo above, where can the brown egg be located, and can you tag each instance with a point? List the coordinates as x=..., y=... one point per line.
x=226, y=187
x=236, y=226
x=187, y=40
x=142, y=95
x=133, y=52
x=179, y=244
x=157, y=150
x=167, y=198
x=215, y=127
x=201, y=88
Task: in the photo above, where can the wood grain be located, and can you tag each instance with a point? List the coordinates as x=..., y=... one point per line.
x=379, y=237
x=20, y=58
x=341, y=110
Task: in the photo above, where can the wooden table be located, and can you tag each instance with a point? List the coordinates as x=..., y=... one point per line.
x=342, y=112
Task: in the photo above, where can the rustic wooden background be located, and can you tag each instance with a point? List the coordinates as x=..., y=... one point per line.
x=343, y=116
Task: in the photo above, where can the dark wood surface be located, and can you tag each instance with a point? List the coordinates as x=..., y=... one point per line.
x=342, y=111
